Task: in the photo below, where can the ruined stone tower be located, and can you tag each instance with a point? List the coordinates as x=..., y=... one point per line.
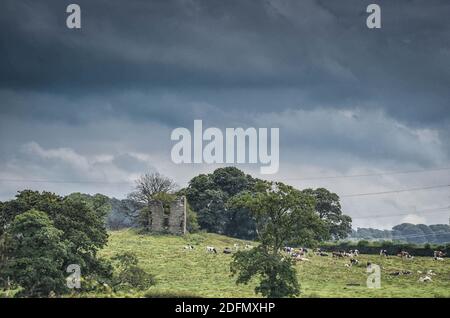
x=169, y=218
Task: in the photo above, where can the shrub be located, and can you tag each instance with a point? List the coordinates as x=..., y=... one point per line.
x=130, y=275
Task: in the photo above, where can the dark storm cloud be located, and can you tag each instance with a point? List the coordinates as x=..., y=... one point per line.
x=320, y=49
x=101, y=102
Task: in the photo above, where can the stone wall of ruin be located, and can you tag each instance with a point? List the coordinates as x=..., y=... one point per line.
x=171, y=219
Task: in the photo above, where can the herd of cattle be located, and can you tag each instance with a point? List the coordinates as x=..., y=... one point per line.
x=226, y=250
x=300, y=253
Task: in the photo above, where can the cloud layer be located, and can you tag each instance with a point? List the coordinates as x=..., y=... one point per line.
x=98, y=104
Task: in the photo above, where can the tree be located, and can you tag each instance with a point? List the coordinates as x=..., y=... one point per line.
x=150, y=189
x=36, y=255
x=283, y=215
x=278, y=276
x=208, y=195
x=80, y=218
x=149, y=185
x=330, y=211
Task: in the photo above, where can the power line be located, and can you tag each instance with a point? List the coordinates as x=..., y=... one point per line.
x=299, y=179
x=65, y=181
x=366, y=175
x=394, y=191
x=436, y=210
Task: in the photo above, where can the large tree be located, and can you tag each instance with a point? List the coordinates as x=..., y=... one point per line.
x=208, y=195
x=35, y=255
x=151, y=188
x=283, y=215
x=80, y=218
x=328, y=207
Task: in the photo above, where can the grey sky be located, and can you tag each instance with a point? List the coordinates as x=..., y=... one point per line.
x=98, y=104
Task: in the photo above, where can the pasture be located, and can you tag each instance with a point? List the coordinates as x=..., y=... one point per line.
x=182, y=272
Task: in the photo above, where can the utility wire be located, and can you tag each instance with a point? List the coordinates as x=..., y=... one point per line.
x=308, y=178
x=394, y=191
x=366, y=175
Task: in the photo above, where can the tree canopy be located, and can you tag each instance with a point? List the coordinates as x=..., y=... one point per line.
x=283, y=215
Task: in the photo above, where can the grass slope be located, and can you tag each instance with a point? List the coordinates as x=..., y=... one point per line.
x=197, y=273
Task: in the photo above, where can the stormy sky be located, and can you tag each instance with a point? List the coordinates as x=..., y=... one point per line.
x=89, y=110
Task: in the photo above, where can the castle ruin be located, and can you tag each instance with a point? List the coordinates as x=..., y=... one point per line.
x=169, y=217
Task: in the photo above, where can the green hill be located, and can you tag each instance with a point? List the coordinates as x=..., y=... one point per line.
x=195, y=272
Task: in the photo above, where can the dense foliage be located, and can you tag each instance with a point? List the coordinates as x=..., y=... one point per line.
x=209, y=194
x=283, y=215
x=35, y=255
x=67, y=230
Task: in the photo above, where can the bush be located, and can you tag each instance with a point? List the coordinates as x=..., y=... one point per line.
x=130, y=275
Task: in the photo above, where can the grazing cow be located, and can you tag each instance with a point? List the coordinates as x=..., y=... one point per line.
x=211, y=249
x=303, y=250
x=322, y=254
x=288, y=249
x=356, y=252
x=438, y=254
x=337, y=254
x=227, y=250
x=188, y=247
x=425, y=279
x=383, y=253
x=405, y=254
x=354, y=261
x=301, y=258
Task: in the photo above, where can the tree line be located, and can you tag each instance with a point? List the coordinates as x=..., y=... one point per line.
x=407, y=232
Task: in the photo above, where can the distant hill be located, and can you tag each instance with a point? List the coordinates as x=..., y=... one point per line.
x=407, y=232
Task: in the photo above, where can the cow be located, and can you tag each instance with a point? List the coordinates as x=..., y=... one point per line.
x=425, y=279
x=304, y=250
x=227, y=250
x=383, y=253
x=288, y=249
x=337, y=254
x=438, y=254
x=211, y=249
x=300, y=257
x=188, y=247
x=354, y=261
x=438, y=258
x=405, y=255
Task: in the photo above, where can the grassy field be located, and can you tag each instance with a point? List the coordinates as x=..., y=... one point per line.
x=197, y=273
